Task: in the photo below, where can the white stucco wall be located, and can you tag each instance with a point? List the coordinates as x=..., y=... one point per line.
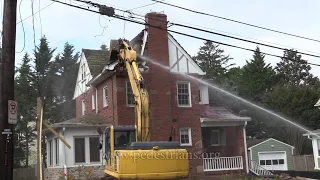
x=185, y=64
x=66, y=155
x=81, y=84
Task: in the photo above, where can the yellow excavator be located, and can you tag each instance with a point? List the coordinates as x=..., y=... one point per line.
x=129, y=153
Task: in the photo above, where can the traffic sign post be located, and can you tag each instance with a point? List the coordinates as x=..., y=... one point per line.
x=12, y=112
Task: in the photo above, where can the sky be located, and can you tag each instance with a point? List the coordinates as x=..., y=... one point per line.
x=83, y=29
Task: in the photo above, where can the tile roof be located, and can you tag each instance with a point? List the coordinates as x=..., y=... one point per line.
x=96, y=59
x=220, y=113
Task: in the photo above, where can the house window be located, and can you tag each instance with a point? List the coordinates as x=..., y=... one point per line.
x=57, y=151
x=83, y=107
x=50, y=153
x=105, y=96
x=130, y=96
x=185, y=137
x=94, y=151
x=79, y=150
x=93, y=102
x=184, y=96
x=215, y=137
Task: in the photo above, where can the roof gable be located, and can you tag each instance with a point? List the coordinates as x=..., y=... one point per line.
x=267, y=140
x=179, y=59
x=191, y=65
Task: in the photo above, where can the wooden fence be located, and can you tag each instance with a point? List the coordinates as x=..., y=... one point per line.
x=24, y=174
x=303, y=163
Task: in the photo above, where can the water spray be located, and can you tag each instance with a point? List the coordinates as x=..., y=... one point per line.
x=228, y=93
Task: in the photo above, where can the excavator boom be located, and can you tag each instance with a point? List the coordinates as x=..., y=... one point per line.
x=129, y=152
x=127, y=57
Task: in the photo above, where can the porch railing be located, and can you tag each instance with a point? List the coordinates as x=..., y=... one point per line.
x=259, y=170
x=223, y=163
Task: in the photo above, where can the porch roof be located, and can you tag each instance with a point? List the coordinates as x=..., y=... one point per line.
x=221, y=114
x=314, y=132
x=91, y=120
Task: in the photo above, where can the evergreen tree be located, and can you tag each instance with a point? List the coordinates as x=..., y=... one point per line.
x=256, y=78
x=44, y=74
x=213, y=61
x=293, y=70
x=25, y=95
x=67, y=66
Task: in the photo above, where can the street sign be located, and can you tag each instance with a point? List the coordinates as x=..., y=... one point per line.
x=12, y=112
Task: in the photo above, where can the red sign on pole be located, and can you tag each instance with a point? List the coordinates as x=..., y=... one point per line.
x=12, y=112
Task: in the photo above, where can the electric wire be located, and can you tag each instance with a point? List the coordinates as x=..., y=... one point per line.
x=188, y=35
x=24, y=33
x=196, y=25
x=216, y=33
x=35, y=13
x=239, y=22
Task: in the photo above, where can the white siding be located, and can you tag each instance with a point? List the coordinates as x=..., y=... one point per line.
x=69, y=137
x=80, y=86
x=185, y=63
x=66, y=155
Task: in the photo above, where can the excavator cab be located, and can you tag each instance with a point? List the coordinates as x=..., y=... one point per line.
x=128, y=159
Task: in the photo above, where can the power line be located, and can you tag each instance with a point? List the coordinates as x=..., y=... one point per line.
x=240, y=39
x=184, y=34
x=34, y=13
x=211, y=32
x=239, y=22
x=196, y=25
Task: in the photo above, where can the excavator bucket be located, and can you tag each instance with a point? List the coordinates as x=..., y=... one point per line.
x=114, y=50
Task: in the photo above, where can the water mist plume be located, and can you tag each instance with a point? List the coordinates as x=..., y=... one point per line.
x=228, y=93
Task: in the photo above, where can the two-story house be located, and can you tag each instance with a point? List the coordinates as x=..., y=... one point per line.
x=213, y=136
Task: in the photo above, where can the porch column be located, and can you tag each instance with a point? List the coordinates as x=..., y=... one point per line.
x=245, y=147
x=315, y=152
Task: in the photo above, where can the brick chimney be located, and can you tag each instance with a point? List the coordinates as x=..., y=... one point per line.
x=157, y=38
x=159, y=82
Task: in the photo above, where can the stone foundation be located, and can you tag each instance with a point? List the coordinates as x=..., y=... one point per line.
x=78, y=173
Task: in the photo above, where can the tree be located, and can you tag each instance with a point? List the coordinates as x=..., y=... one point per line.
x=67, y=67
x=103, y=47
x=257, y=77
x=296, y=104
x=44, y=74
x=293, y=70
x=211, y=59
x=26, y=96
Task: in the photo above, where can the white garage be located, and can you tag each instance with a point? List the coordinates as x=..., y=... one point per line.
x=270, y=154
x=273, y=160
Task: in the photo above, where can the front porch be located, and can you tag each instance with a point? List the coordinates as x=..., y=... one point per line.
x=224, y=142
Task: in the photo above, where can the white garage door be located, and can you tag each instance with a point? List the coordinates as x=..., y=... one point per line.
x=273, y=160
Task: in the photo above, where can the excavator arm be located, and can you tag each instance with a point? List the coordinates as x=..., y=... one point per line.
x=127, y=58
x=139, y=158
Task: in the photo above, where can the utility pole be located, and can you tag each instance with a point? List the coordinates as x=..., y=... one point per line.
x=39, y=136
x=7, y=70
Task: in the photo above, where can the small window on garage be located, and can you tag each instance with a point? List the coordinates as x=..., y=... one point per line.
x=268, y=162
x=281, y=161
x=262, y=162
x=275, y=161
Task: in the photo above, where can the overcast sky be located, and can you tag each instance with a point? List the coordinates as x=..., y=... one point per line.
x=61, y=24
